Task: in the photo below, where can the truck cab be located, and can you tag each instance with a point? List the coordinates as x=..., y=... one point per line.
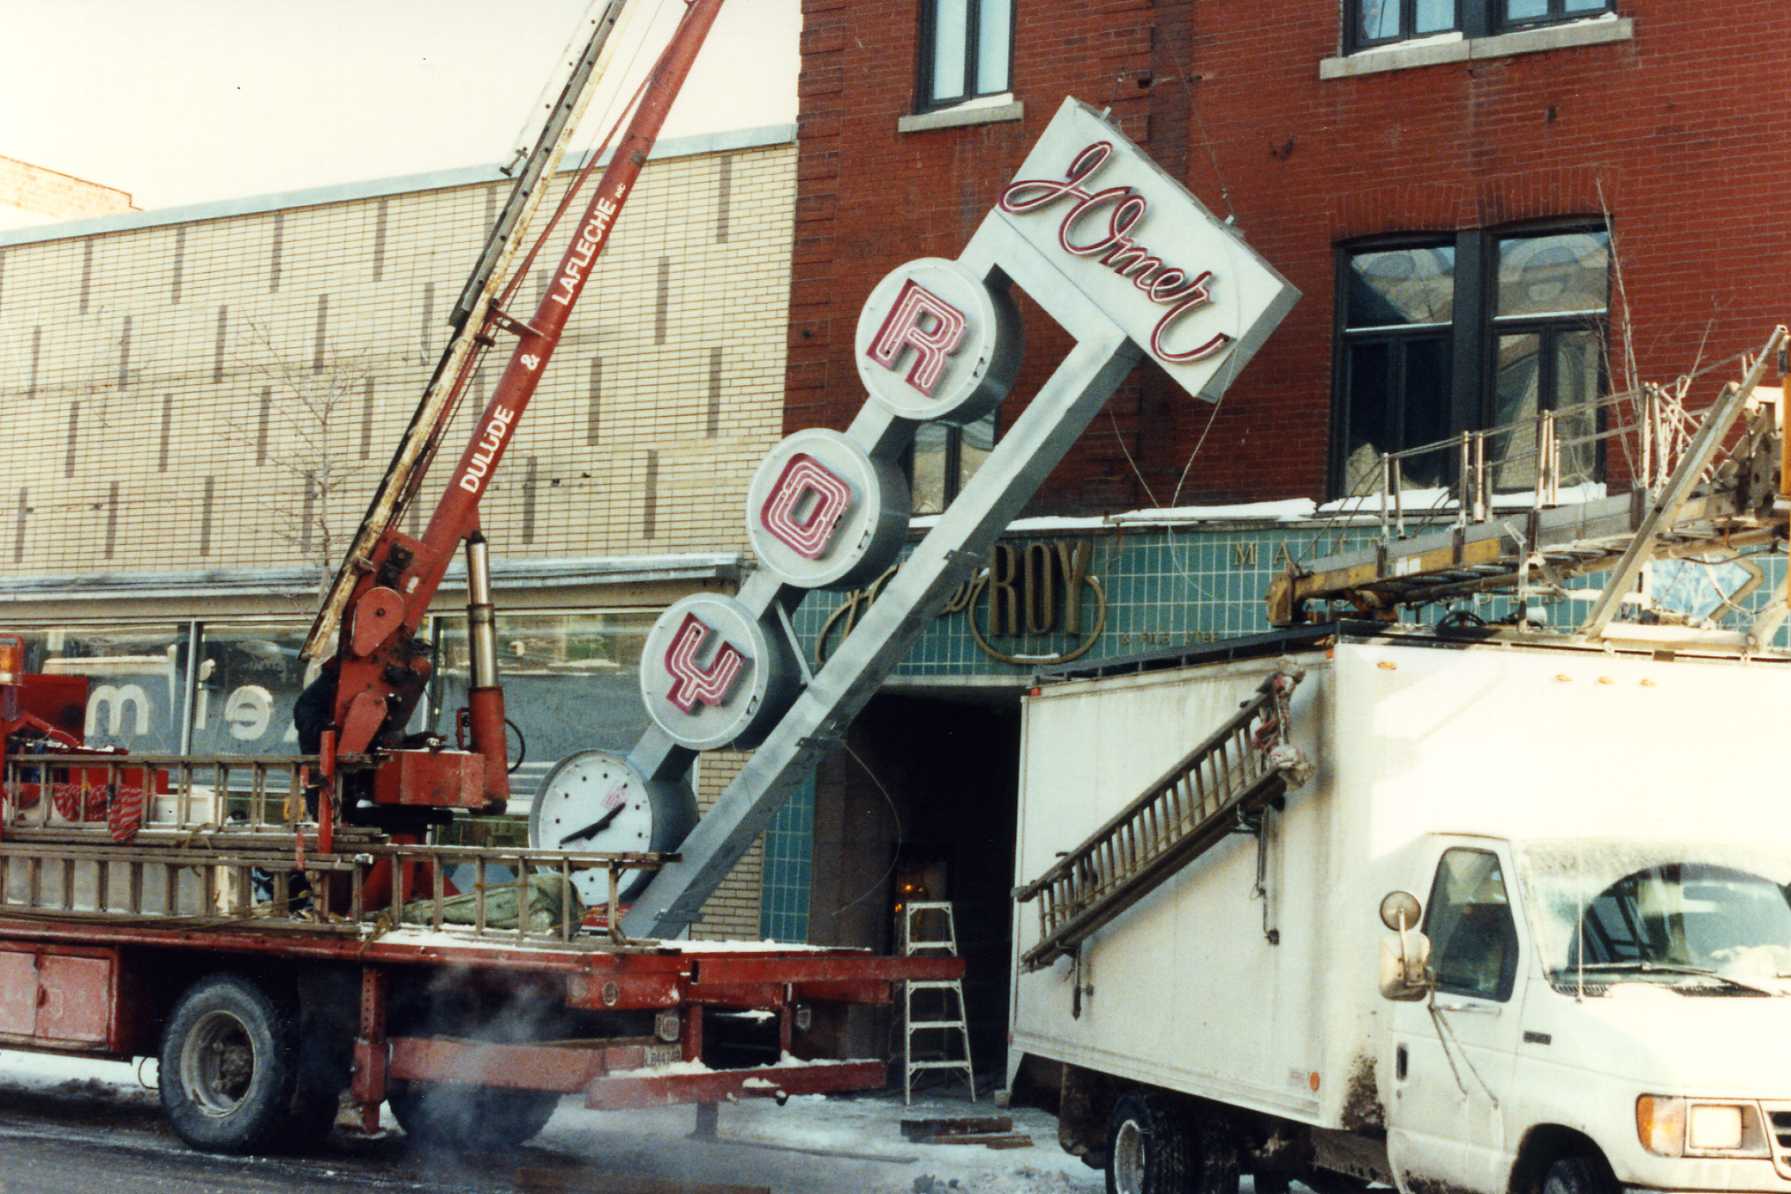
x=1623, y=997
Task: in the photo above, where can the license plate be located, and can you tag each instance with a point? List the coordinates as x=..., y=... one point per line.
x=664, y=1054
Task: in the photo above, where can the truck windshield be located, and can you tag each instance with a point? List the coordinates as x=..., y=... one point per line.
x=1665, y=912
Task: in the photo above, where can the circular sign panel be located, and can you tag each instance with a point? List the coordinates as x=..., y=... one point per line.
x=711, y=676
x=937, y=345
x=594, y=802
x=822, y=514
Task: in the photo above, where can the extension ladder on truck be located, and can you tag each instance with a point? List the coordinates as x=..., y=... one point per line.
x=1221, y=786
x=1713, y=481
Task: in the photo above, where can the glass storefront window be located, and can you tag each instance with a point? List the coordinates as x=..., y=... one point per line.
x=249, y=677
x=135, y=677
x=571, y=683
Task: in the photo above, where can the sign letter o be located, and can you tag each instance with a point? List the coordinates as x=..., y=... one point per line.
x=822, y=514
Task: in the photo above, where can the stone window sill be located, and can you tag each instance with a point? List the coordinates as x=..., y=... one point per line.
x=984, y=109
x=1453, y=47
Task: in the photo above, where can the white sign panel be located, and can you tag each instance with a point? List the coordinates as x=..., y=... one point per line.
x=1185, y=287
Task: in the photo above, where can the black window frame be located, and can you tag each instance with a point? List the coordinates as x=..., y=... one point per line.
x=1475, y=331
x=1397, y=338
x=1473, y=18
x=1548, y=329
x=1408, y=22
x=1557, y=14
x=924, y=100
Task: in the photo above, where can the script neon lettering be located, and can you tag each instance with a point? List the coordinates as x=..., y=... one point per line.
x=1112, y=245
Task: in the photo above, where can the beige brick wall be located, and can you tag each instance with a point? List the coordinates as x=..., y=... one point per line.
x=733, y=911
x=38, y=193
x=226, y=392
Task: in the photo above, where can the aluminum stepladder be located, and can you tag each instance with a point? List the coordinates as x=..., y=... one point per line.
x=950, y=991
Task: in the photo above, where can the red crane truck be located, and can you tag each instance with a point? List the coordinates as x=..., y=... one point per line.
x=277, y=930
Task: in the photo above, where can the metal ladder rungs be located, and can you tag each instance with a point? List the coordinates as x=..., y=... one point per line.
x=1220, y=786
x=950, y=989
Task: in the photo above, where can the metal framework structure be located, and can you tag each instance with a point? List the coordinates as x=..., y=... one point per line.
x=1718, y=491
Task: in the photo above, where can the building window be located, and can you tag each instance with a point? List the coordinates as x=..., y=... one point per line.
x=943, y=459
x=1372, y=23
x=1380, y=22
x=1398, y=348
x=966, y=50
x=1485, y=330
x=1514, y=13
x=1550, y=303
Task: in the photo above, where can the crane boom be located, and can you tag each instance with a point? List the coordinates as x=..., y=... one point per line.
x=395, y=488
x=379, y=669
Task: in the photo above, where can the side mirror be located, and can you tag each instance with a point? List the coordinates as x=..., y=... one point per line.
x=1405, y=959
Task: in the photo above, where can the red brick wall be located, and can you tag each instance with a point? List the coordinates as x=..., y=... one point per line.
x=1682, y=127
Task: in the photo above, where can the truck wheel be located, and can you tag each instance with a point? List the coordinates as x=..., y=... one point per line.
x=1149, y=1147
x=229, y=1066
x=1580, y=1174
x=469, y=1118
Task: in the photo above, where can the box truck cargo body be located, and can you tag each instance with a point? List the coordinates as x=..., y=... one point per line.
x=1600, y=850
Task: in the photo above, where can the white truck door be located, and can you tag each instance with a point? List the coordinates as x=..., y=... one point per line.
x=1454, y=1054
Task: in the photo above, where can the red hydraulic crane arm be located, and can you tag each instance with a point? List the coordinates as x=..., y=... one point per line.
x=381, y=669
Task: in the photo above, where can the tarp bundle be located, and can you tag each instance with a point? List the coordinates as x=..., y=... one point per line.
x=547, y=896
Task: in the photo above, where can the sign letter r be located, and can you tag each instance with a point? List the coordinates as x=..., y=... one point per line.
x=923, y=321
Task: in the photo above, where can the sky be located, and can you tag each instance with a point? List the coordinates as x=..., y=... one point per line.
x=187, y=101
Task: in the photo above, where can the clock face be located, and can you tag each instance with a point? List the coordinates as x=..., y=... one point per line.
x=593, y=802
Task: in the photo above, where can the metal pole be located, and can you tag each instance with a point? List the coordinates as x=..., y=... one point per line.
x=190, y=685
x=1464, y=482
x=1480, y=476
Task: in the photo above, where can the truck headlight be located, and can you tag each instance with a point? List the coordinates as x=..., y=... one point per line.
x=1675, y=1127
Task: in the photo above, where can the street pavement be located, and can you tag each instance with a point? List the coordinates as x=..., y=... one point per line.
x=95, y=1127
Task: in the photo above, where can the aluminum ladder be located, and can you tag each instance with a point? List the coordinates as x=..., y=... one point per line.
x=1219, y=788
x=950, y=991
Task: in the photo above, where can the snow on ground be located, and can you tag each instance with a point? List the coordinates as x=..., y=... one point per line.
x=813, y=1145
x=855, y=1143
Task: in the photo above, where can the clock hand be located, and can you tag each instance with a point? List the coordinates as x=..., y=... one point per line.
x=595, y=827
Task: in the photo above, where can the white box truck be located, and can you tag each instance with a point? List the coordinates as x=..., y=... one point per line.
x=1594, y=849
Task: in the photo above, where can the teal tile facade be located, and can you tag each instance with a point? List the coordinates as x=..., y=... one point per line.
x=789, y=859
x=1162, y=587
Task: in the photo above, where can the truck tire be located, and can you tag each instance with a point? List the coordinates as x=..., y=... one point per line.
x=229, y=1066
x=1579, y=1173
x=1150, y=1147
x=469, y=1118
